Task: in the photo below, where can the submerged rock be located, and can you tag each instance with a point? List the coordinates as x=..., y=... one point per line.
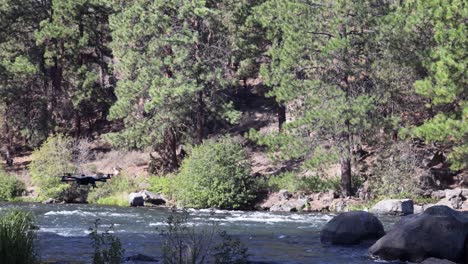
x=394, y=207
x=437, y=261
x=352, y=228
x=141, y=258
x=438, y=232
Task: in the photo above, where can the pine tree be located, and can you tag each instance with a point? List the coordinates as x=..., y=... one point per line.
x=446, y=64
x=173, y=66
x=320, y=66
x=74, y=38
x=24, y=108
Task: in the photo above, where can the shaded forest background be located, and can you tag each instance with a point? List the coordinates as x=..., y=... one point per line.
x=313, y=85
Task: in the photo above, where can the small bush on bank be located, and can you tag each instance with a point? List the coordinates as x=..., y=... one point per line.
x=164, y=185
x=291, y=182
x=17, y=238
x=107, y=247
x=394, y=171
x=10, y=186
x=216, y=174
x=52, y=159
x=113, y=192
x=189, y=244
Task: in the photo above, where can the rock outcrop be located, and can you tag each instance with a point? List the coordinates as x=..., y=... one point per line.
x=394, y=207
x=153, y=198
x=352, y=228
x=285, y=201
x=454, y=199
x=136, y=199
x=439, y=232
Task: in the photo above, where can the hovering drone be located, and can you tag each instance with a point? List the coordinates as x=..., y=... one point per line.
x=86, y=180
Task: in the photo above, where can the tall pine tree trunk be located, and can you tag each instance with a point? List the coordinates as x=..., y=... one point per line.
x=281, y=116
x=200, y=127
x=346, y=188
x=345, y=163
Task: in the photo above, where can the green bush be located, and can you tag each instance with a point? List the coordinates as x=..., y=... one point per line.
x=393, y=172
x=114, y=191
x=10, y=186
x=107, y=247
x=165, y=185
x=17, y=238
x=216, y=174
x=291, y=182
x=52, y=159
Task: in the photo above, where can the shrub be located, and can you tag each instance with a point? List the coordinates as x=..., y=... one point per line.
x=189, y=244
x=17, y=238
x=52, y=159
x=291, y=182
x=394, y=171
x=216, y=174
x=10, y=186
x=113, y=192
x=107, y=247
x=164, y=185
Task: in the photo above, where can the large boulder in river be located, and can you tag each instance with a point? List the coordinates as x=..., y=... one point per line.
x=394, y=207
x=136, y=199
x=439, y=232
x=352, y=228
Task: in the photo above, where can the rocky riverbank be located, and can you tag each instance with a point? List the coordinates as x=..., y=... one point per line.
x=285, y=201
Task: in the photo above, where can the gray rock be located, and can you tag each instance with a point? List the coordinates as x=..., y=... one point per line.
x=284, y=195
x=282, y=208
x=464, y=193
x=50, y=201
x=438, y=232
x=454, y=202
x=141, y=258
x=453, y=193
x=437, y=261
x=301, y=204
x=438, y=194
x=417, y=209
x=394, y=207
x=426, y=206
x=352, y=228
x=136, y=199
x=153, y=198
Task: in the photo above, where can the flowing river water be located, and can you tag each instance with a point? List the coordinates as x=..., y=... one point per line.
x=270, y=237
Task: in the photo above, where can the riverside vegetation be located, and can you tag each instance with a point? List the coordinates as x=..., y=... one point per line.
x=232, y=100
x=181, y=243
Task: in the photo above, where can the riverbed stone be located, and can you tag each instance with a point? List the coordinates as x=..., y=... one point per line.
x=153, y=198
x=417, y=209
x=439, y=232
x=438, y=194
x=394, y=207
x=136, y=199
x=141, y=258
x=352, y=228
x=437, y=261
x=50, y=201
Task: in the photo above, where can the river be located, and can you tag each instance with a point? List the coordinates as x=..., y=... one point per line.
x=270, y=237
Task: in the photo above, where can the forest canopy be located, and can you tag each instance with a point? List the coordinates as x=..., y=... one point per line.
x=338, y=75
